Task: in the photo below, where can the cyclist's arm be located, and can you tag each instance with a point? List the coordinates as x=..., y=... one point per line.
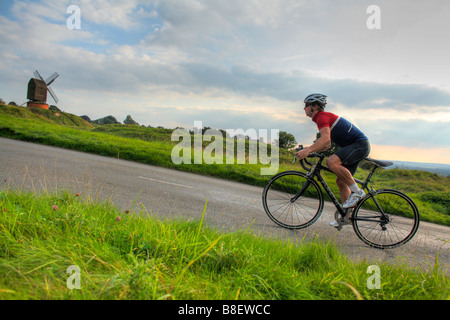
x=322, y=144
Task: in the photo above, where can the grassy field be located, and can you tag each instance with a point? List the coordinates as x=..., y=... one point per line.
x=133, y=255
x=431, y=192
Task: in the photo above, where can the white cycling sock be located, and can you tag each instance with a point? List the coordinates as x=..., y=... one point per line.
x=354, y=187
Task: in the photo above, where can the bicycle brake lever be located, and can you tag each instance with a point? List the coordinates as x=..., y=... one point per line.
x=300, y=147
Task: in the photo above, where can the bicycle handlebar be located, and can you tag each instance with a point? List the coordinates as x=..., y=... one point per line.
x=303, y=161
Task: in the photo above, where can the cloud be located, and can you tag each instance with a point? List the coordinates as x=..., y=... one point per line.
x=31, y=10
x=125, y=15
x=409, y=133
x=240, y=63
x=37, y=27
x=414, y=154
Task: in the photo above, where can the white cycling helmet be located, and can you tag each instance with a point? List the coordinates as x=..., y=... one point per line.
x=318, y=98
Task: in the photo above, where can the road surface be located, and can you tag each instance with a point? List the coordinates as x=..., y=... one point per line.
x=171, y=193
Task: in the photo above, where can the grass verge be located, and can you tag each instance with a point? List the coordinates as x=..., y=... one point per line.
x=136, y=256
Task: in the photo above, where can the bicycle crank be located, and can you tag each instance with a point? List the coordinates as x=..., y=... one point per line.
x=341, y=220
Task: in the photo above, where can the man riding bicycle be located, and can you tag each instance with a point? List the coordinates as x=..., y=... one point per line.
x=354, y=146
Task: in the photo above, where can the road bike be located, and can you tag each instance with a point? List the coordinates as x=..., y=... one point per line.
x=383, y=218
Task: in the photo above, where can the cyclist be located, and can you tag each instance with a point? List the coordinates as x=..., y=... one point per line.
x=354, y=146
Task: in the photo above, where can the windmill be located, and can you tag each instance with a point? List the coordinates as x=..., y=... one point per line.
x=37, y=90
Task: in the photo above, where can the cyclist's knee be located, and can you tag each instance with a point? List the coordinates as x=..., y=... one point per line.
x=333, y=161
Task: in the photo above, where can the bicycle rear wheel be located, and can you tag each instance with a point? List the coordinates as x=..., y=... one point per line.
x=386, y=219
x=292, y=200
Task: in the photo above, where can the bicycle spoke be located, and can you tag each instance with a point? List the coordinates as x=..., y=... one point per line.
x=279, y=205
x=393, y=225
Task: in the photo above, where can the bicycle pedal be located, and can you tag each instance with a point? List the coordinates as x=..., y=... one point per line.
x=342, y=223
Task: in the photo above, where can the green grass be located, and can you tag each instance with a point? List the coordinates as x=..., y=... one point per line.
x=154, y=146
x=141, y=257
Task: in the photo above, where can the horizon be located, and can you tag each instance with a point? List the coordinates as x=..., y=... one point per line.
x=258, y=140
x=242, y=65
x=419, y=163
x=254, y=139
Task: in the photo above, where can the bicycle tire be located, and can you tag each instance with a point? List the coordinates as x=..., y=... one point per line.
x=373, y=229
x=278, y=195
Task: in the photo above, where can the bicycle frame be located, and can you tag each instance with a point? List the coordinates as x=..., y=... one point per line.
x=316, y=172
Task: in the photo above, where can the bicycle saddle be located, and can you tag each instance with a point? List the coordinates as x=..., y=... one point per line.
x=380, y=163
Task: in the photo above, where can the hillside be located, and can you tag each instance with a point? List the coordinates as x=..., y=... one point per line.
x=136, y=132
x=430, y=191
x=442, y=169
x=47, y=116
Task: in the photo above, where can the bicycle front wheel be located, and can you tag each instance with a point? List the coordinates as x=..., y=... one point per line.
x=292, y=200
x=386, y=219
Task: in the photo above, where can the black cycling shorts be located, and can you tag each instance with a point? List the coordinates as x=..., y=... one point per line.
x=352, y=155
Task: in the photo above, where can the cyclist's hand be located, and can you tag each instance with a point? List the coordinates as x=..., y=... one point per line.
x=302, y=154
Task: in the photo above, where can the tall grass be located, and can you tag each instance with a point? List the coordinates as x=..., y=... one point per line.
x=133, y=255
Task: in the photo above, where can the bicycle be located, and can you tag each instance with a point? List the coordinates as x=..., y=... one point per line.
x=383, y=219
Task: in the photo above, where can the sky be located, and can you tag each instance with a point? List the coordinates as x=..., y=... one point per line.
x=242, y=64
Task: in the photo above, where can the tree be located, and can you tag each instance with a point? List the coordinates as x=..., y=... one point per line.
x=106, y=120
x=129, y=120
x=286, y=140
x=54, y=108
x=86, y=118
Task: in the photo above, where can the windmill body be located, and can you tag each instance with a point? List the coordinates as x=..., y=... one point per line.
x=37, y=91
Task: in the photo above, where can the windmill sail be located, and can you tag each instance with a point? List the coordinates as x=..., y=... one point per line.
x=37, y=75
x=48, y=81
x=52, y=78
x=52, y=93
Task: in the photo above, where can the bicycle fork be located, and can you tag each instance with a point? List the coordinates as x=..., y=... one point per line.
x=299, y=194
x=384, y=217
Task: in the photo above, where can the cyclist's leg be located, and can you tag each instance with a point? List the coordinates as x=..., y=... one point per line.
x=344, y=164
x=344, y=178
x=360, y=150
x=346, y=160
x=351, y=155
x=344, y=190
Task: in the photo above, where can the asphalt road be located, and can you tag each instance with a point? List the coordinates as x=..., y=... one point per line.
x=170, y=193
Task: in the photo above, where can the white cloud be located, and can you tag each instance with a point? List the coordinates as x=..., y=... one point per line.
x=238, y=63
x=32, y=30
x=122, y=14
x=30, y=11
